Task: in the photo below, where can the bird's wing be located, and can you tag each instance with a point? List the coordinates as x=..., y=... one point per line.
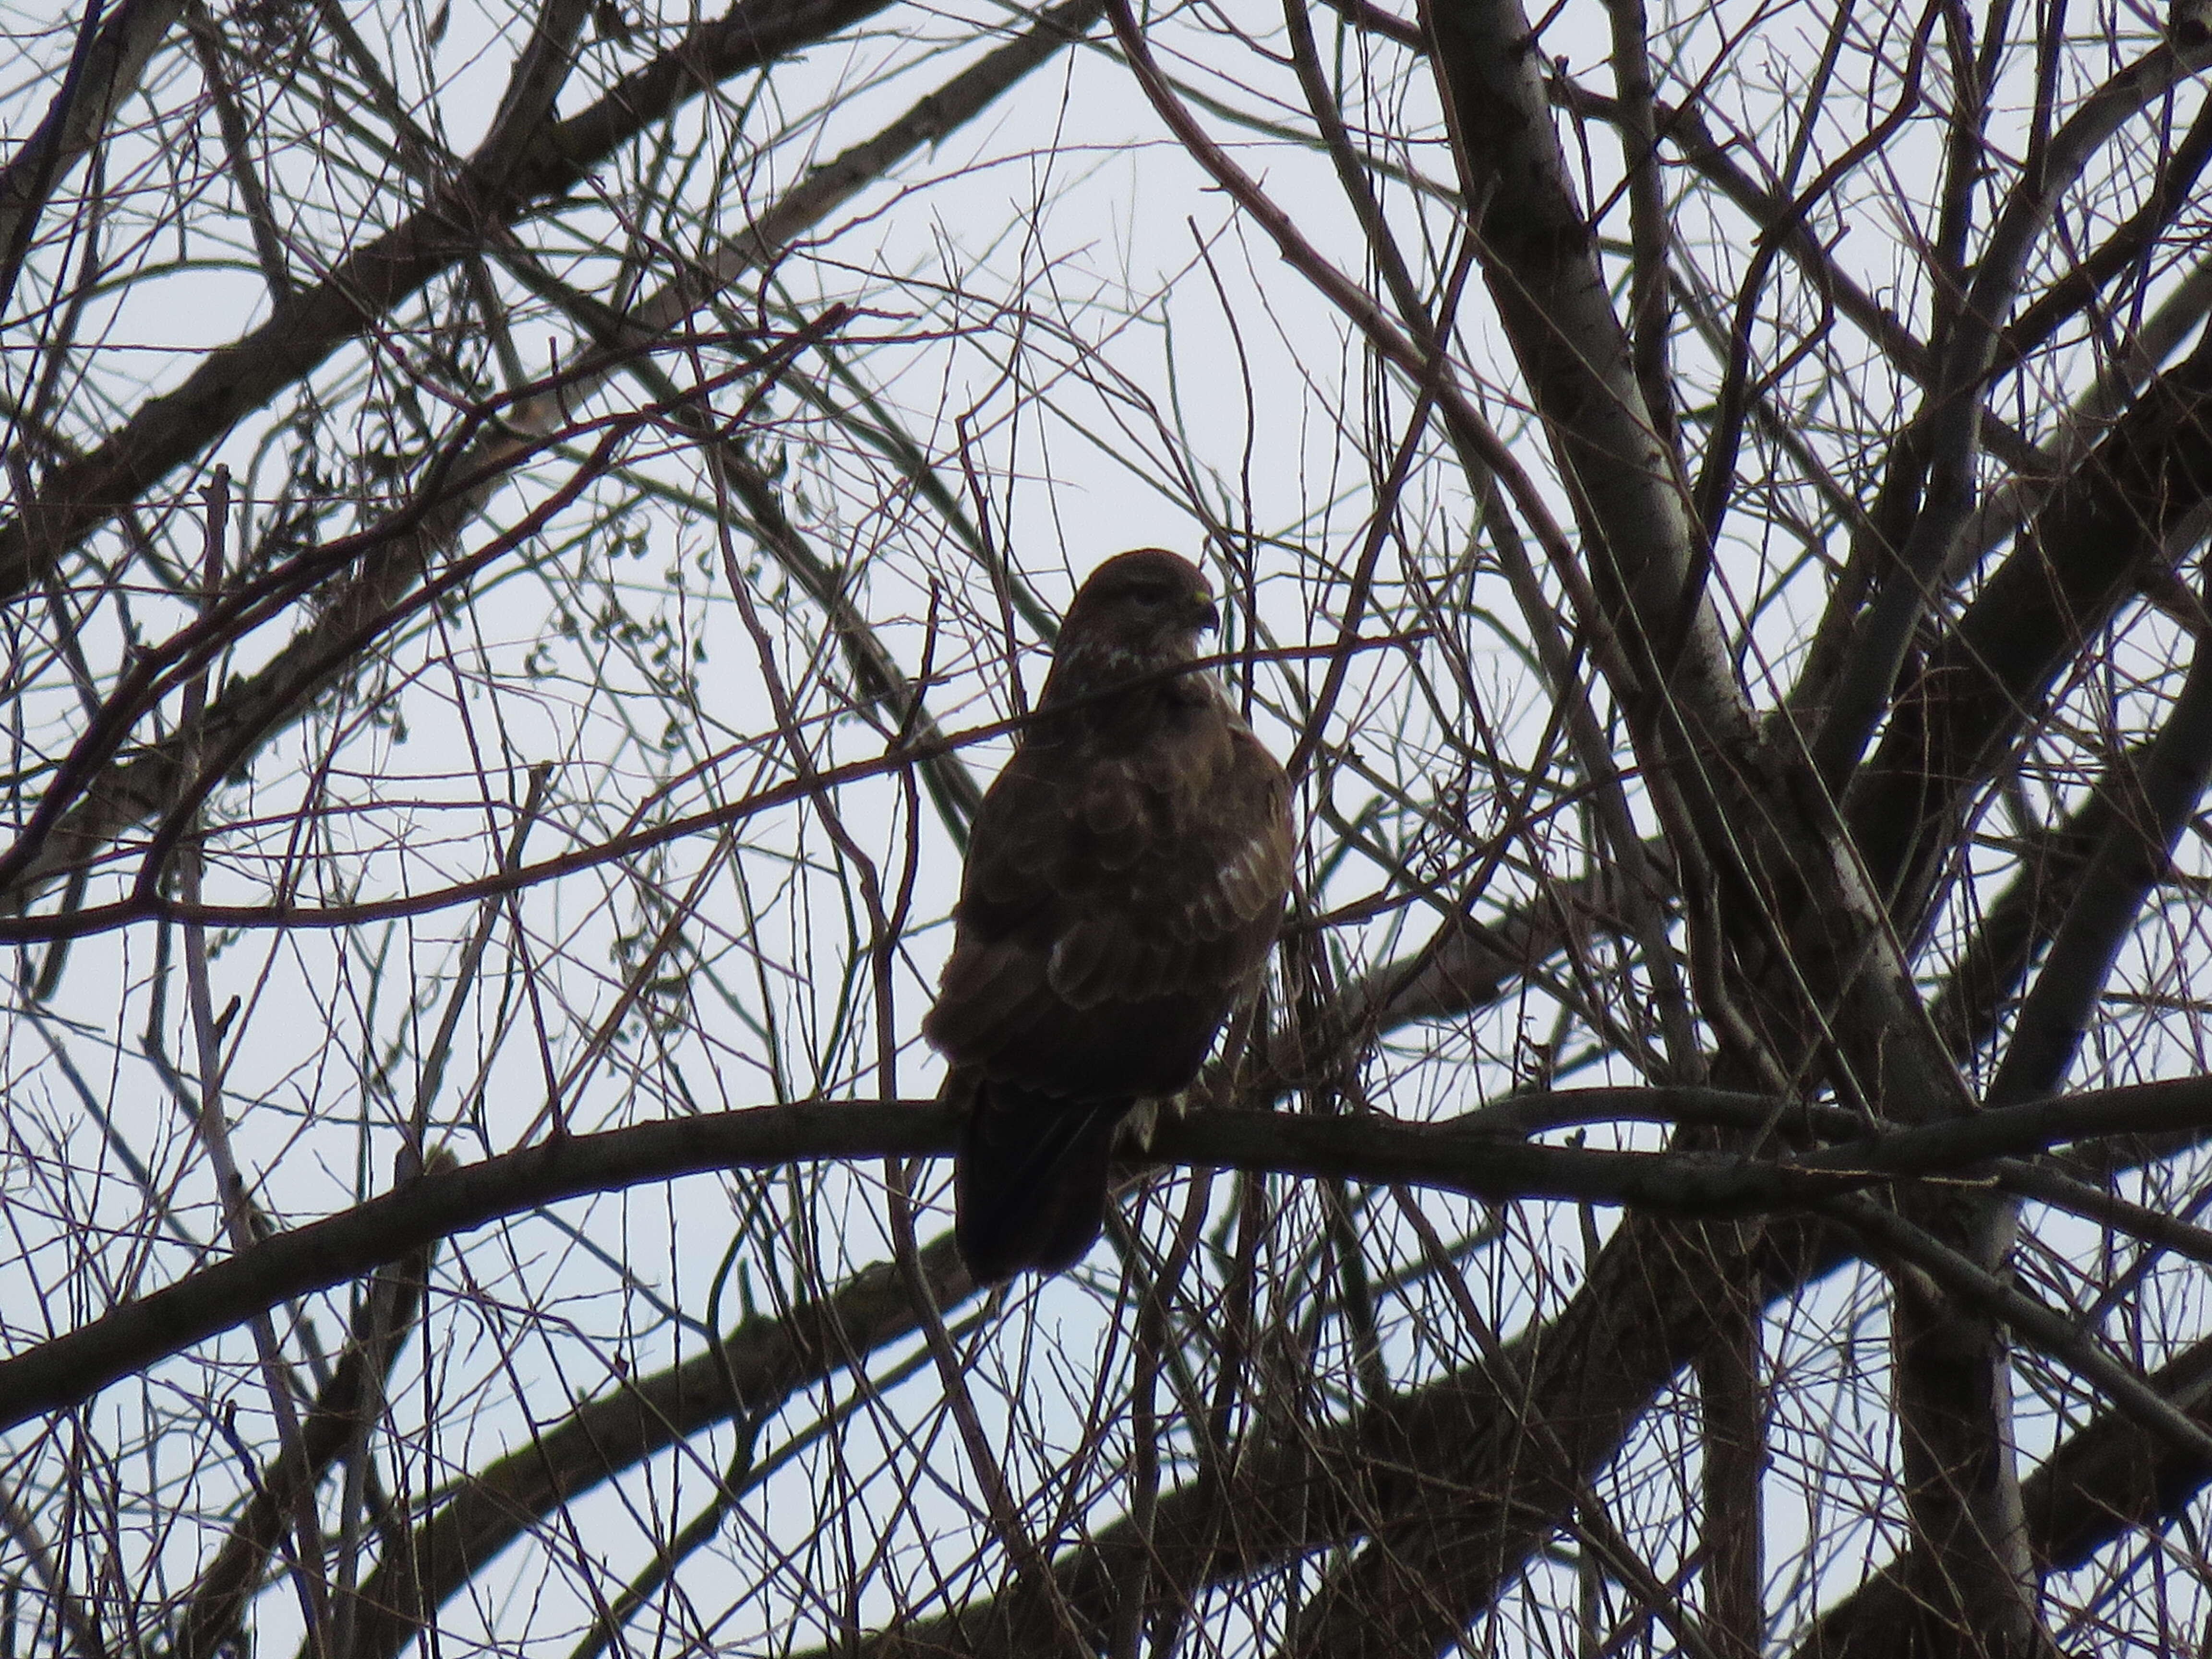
x=1117, y=901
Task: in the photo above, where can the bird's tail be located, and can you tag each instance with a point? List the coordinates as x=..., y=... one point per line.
x=1029, y=1187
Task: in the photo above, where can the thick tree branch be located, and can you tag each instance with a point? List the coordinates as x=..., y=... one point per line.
x=2114, y=1476
x=1465, y=1156
x=1950, y=428
x=111, y=55
x=1989, y=676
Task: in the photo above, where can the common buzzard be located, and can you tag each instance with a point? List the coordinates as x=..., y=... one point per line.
x=1124, y=877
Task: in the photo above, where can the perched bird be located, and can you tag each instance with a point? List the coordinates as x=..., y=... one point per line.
x=1124, y=878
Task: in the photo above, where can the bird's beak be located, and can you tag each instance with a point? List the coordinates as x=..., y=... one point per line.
x=1207, y=619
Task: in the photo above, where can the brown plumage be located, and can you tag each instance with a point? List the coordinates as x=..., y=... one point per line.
x=1124, y=877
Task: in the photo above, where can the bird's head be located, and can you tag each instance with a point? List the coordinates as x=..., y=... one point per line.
x=1137, y=612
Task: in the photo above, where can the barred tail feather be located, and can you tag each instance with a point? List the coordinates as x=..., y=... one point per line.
x=1029, y=1185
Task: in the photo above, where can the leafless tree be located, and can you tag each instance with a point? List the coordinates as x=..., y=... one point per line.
x=526, y=530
